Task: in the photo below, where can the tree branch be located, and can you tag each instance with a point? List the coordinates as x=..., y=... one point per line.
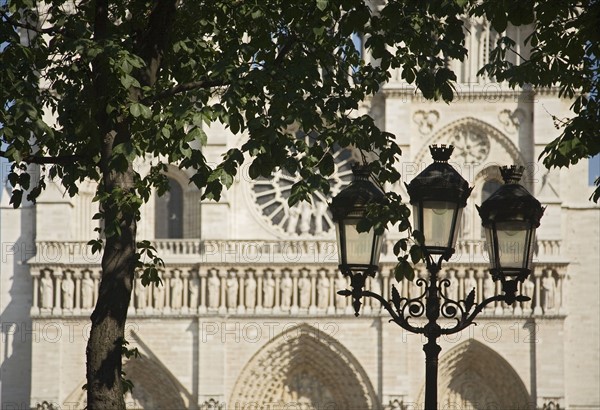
x=180, y=88
x=27, y=26
x=283, y=51
x=59, y=159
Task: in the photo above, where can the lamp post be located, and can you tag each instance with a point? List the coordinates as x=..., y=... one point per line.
x=438, y=195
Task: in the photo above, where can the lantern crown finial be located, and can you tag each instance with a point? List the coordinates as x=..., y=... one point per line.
x=512, y=174
x=441, y=153
x=361, y=171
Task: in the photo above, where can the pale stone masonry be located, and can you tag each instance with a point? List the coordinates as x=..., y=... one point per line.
x=248, y=317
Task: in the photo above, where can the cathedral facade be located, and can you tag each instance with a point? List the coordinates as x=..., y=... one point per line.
x=248, y=316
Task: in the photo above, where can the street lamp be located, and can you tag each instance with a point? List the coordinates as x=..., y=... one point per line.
x=438, y=195
x=358, y=252
x=510, y=217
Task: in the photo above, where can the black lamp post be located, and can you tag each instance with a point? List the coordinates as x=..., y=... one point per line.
x=438, y=195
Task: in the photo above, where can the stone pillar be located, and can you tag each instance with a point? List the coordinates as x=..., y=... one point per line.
x=56, y=310
x=312, y=309
x=185, y=277
x=277, y=300
x=331, y=307
x=537, y=309
x=77, y=307
x=96, y=278
x=35, y=308
x=202, y=274
x=223, y=287
x=295, y=292
x=167, y=289
x=259, y=290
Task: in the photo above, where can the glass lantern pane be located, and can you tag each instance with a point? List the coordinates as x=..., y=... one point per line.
x=437, y=222
x=339, y=243
x=377, y=250
x=358, y=245
x=512, y=243
x=489, y=246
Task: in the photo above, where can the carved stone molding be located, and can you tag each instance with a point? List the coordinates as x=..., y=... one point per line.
x=511, y=120
x=473, y=140
x=470, y=145
x=426, y=120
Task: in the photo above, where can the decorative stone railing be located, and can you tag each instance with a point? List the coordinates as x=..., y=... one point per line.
x=281, y=286
x=264, y=251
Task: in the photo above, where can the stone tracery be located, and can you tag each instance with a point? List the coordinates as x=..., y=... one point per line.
x=310, y=369
x=466, y=382
x=270, y=196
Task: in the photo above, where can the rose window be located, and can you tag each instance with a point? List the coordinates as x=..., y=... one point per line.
x=304, y=218
x=470, y=146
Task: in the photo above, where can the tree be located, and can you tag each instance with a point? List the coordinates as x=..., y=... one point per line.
x=565, y=47
x=127, y=79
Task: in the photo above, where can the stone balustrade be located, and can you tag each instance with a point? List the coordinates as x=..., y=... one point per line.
x=276, y=289
x=264, y=252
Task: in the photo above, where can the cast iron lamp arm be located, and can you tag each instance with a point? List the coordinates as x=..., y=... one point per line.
x=398, y=318
x=467, y=319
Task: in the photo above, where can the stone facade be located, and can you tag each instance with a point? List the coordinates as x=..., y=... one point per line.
x=248, y=316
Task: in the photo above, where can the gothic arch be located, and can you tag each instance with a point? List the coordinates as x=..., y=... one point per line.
x=187, y=209
x=479, y=150
x=497, y=147
x=154, y=387
x=307, y=367
x=473, y=376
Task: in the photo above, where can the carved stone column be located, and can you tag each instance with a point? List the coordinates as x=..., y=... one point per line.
x=167, y=289
x=562, y=307
x=294, y=291
x=312, y=309
x=35, y=276
x=202, y=296
x=77, y=307
x=185, y=277
x=460, y=284
x=56, y=310
x=277, y=302
x=499, y=305
x=480, y=276
x=223, y=287
x=96, y=278
x=537, y=309
x=259, y=291
x=241, y=293
x=331, y=277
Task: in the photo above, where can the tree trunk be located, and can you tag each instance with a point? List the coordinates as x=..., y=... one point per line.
x=104, y=348
x=105, y=345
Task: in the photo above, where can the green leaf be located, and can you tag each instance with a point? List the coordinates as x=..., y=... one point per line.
x=16, y=197
x=416, y=254
x=322, y=4
x=138, y=109
x=470, y=300
x=396, y=297
x=327, y=166
x=418, y=236
x=404, y=270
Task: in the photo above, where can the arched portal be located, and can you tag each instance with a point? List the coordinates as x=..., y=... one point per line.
x=307, y=369
x=153, y=388
x=472, y=376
